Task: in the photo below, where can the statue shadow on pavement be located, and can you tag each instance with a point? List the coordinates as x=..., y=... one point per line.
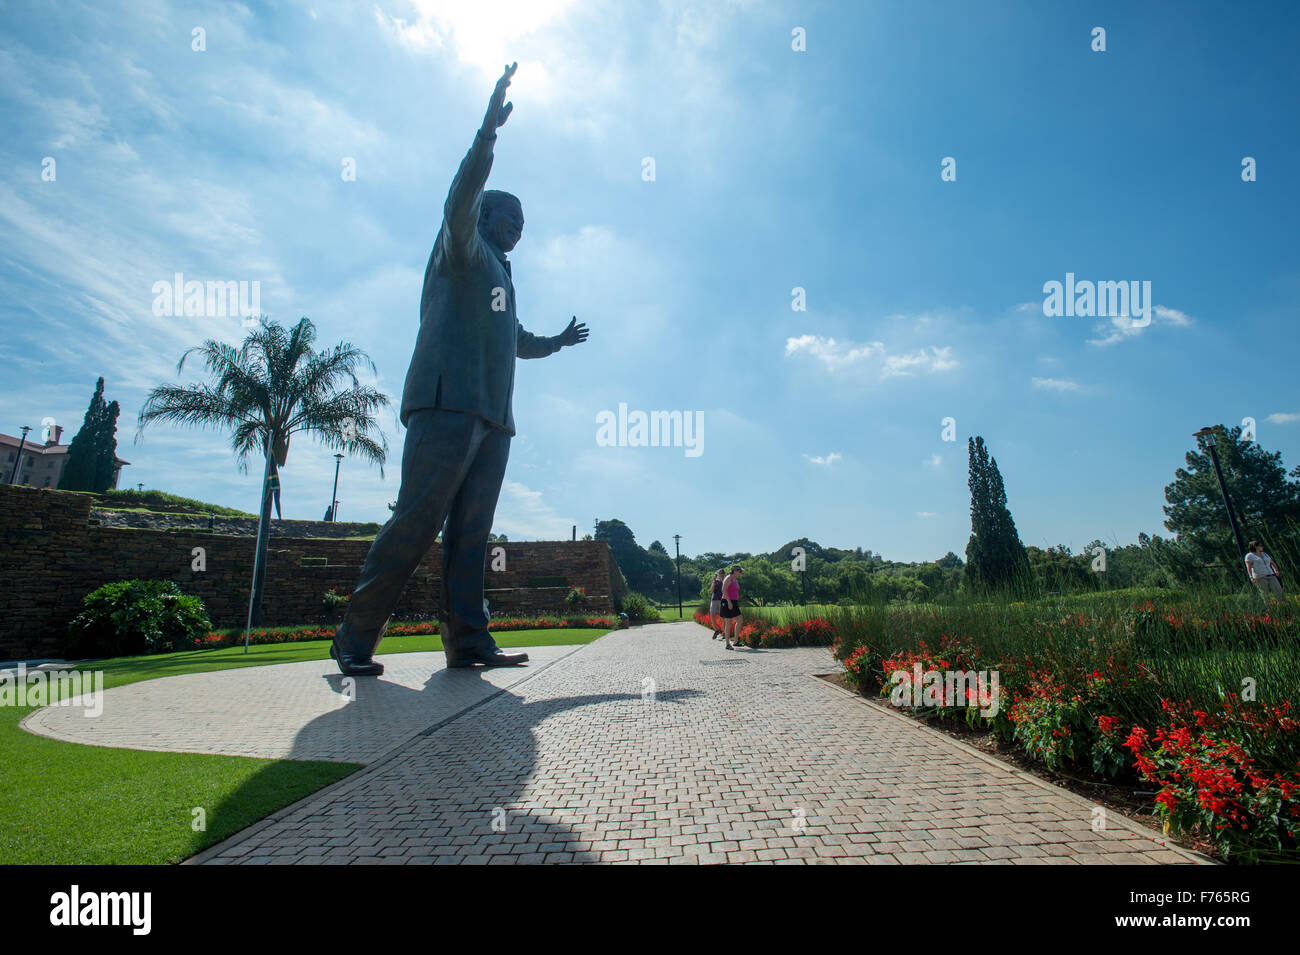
x=462, y=783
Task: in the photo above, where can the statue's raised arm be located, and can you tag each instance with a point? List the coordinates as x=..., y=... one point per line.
x=461, y=212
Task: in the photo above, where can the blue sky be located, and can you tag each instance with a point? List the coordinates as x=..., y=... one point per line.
x=774, y=169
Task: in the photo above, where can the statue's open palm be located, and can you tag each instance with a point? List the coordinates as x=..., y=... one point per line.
x=498, y=110
x=576, y=333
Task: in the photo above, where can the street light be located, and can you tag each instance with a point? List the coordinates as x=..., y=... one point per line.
x=334, y=496
x=1208, y=435
x=677, y=543
x=19, y=460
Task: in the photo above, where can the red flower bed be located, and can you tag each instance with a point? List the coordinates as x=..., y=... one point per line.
x=1213, y=778
x=1230, y=773
x=757, y=632
x=499, y=625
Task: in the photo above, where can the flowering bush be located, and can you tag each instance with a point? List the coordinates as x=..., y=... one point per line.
x=758, y=632
x=574, y=597
x=1215, y=778
x=864, y=668
x=1068, y=718
x=1093, y=690
x=498, y=625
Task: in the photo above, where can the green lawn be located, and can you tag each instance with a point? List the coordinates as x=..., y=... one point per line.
x=67, y=803
x=688, y=611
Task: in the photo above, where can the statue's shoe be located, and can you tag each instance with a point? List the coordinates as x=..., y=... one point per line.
x=354, y=664
x=494, y=657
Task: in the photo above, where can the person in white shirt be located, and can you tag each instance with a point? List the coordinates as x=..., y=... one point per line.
x=1263, y=571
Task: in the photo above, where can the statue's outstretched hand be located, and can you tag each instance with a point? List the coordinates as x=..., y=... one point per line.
x=498, y=110
x=574, y=334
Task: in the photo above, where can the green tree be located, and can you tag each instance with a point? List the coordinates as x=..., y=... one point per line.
x=632, y=560
x=1056, y=570
x=1266, y=499
x=995, y=557
x=93, y=450
x=106, y=449
x=270, y=388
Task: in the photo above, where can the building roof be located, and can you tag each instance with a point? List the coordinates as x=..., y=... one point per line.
x=34, y=447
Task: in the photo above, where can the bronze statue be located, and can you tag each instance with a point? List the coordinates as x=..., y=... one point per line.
x=456, y=407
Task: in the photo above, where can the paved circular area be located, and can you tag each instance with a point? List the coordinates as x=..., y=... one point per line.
x=656, y=745
x=287, y=711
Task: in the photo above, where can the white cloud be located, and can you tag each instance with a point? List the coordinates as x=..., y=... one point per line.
x=1061, y=385
x=934, y=461
x=927, y=513
x=480, y=33
x=522, y=514
x=840, y=355
x=1121, y=327
x=827, y=461
x=1283, y=417
x=834, y=355
x=486, y=35
x=931, y=359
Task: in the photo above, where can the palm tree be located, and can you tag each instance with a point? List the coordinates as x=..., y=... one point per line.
x=267, y=390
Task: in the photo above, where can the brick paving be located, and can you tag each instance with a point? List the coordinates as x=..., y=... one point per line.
x=288, y=710
x=656, y=745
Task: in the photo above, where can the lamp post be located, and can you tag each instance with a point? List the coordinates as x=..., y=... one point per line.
x=1208, y=435
x=677, y=543
x=334, y=495
x=19, y=460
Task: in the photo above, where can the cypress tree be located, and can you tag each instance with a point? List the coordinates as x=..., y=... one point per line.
x=976, y=571
x=79, y=471
x=995, y=556
x=1012, y=561
x=106, y=449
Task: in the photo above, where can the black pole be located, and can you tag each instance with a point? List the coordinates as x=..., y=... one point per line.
x=334, y=495
x=677, y=543
x=19, y=460
x=803, y=576
x=1227, y=503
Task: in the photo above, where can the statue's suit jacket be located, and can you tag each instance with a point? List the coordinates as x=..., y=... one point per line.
x=465, y=352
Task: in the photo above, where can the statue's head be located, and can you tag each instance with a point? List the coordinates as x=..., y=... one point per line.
x=501, y=219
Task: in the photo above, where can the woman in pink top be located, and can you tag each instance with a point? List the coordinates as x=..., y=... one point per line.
x=731, y=618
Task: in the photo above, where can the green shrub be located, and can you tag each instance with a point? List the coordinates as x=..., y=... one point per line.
x=334, y=602
x=639, y=608
x=135, y=617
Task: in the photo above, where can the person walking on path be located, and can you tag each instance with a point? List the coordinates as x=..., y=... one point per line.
x=1263, y=572
x=731, y=619
x=715, y=603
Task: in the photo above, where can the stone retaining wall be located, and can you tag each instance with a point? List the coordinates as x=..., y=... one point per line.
x=51, y=556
